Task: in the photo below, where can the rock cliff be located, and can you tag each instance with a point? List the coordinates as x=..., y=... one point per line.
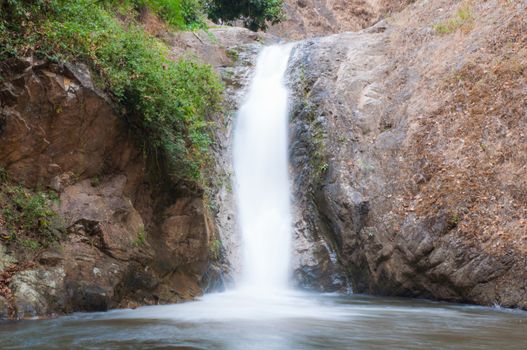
x=409, y=154
x=126, y=239
x=309, y=18
x=128, y=233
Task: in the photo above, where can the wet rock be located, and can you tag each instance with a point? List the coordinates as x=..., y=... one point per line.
x=4, y=308
x=214, y=280
x=38, y=292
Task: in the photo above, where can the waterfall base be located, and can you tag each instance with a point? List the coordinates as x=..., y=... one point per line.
x=295, y=321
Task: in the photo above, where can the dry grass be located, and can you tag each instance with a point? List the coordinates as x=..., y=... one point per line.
x=474, y=144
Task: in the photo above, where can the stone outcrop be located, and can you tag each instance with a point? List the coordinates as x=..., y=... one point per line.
x=310, y=18
x=128, y=240
x=408, y=152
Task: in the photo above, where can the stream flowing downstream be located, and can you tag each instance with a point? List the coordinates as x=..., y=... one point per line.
x=263, y=312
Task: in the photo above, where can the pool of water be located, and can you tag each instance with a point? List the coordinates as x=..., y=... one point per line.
x=287, y=321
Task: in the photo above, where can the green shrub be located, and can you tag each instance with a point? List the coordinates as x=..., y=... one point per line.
x=463, y=17
x=140, y=240
x=215, y=249
x=30, y=244
x=181, y=14
x=29, y=212
x=255, y=14
x=193, y=14
x=167, y=103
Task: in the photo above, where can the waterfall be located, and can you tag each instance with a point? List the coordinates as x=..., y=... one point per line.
x=261, y=175
x=262, y=194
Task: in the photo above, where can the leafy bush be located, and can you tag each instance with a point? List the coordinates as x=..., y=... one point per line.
x=193, y=13
x=31, y=213
x=182, y=14
x=255, y=14
x=167, y=103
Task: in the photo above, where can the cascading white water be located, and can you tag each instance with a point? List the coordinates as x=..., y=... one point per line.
x=261, y=175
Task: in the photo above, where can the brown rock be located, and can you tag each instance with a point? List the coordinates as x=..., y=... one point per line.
x=55, y=124
x=121, y=248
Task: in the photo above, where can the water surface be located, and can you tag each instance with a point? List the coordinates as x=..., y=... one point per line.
x=293, y=321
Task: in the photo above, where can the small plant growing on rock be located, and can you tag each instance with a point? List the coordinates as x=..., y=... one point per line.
x=454, y=221
x=3, y=175
x=215, y=249
x=30, y=244
x=463, y=18
x=95, y=181
x=233, y=54
x=140, y=240
x=29, y=213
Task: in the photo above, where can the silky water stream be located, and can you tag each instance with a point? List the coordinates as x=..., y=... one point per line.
x=263, y=312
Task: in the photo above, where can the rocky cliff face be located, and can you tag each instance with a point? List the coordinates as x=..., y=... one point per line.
x=310, y=18
x=127, y=240
x=408, y=151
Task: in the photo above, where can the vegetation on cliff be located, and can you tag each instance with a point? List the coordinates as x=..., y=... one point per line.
x=166, y=102
x=255, y=14
x=28, y=216
x=192, y=14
